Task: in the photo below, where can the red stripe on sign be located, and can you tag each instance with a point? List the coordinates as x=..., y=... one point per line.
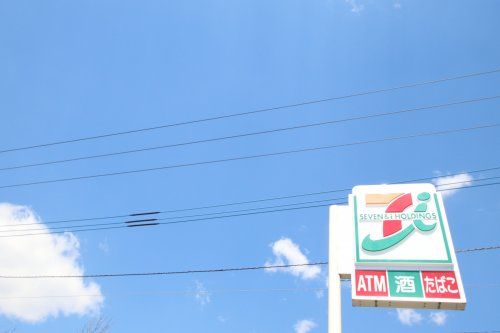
x=440, y=284
x=371, y=283
x=400, y=204
x=391, y=227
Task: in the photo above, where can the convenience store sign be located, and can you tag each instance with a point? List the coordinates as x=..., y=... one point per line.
x=404, y=256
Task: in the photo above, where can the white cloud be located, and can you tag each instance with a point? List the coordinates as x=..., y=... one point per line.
x=355, y=6
x=39, y=255
x=288, y=253
x=202, y=295
x=409, y=316
x=453, y=182
x=222, y=319
x=304, y=326
x=397, y=5
x=104, y=245
x=438, y=318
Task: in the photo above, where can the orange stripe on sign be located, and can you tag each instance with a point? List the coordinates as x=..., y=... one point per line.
x=380, y=199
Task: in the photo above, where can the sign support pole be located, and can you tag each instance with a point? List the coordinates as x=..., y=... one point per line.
x=334, y=305
x=334, y=287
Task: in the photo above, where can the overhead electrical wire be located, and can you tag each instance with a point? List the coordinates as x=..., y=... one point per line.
x=247, y=157
x=167, y=223
x=161, y=293
x=121, y=226
x=484, y=248
x=483, y=285
x=184, y=272
x=261, y=200
x=496, y=331
x=192, y=271
x=150, y=221
x=154, y=220
x=172, y=292
x=276, y=108
x=249, y=268
x=223, y=138
x=149, y=213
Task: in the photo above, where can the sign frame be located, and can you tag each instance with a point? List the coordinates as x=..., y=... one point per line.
x=447, y=267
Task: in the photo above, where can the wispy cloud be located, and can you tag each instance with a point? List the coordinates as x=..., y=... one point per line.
x=304, y=326
x=409, y=317
x=356, y=7
x=438, y=318
x=222, y=319
x=286, y=252
x=201, y=294
x=104, y=246
x=452, y=183
x=47, y=254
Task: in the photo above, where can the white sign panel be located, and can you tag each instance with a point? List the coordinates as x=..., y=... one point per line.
x=404, y=255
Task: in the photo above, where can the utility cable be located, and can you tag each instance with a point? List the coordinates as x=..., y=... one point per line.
x=496, y=331
x=190, y=271
x=210, y=218
x=223, y=138
x=282, y=107
x=173, y=292
x=152, y=213
x=184, y=272
x=153, y=220
x=161, y=293
x=239, y=158
x=485, y=248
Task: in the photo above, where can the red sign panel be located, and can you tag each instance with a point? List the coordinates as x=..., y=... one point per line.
x=371, y=283
x=440, y=285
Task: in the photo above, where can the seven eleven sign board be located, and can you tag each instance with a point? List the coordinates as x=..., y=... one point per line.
x=404, y=255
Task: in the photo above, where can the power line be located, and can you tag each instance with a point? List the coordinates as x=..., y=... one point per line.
x=173, y=222
x=484, y=248
x=172, y=292
x=330, y=201
x=154, y=220
x=160, y=293
x=287, y=106
x=479, y=249
x=184, y=272
x=496, y=331
x=484, y=285
x=239, y=158
x=194, y=271
x=130, y=222
x=223, y=138
x=211, y=218
x=150, y=213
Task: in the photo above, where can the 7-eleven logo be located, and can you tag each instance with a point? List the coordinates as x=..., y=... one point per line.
x=392, y=229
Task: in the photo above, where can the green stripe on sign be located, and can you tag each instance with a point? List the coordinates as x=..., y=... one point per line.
x=405, y=284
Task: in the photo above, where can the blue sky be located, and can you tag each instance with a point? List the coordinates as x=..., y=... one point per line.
x=72, y=69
